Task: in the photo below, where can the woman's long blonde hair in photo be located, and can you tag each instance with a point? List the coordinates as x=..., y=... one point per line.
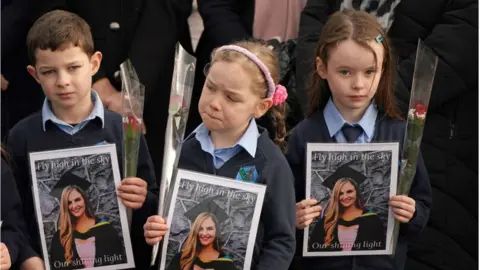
x=193, y=245
x=334, y=209
x=67, y=223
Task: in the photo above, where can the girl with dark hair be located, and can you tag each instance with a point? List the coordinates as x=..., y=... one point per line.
x=351, y=101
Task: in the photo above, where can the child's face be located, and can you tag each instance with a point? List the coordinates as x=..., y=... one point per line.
x=352, y=74
x=65, y=75
x=227, y=102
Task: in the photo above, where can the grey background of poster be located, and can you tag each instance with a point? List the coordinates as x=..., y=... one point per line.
x=235, y=230
x=375, y=190
x=102, y=193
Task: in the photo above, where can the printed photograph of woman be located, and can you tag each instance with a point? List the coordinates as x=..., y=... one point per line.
x=82, y=239
x=346, y=224
x=202, y=248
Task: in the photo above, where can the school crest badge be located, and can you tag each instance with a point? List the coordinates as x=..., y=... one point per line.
x=247, y=174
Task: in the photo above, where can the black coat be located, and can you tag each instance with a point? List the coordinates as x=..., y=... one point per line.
x=450, y=141
x=145, y=31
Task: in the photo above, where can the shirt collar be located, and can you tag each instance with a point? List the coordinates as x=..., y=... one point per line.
x=98, y=111
x=248, y=141
x=335, y=120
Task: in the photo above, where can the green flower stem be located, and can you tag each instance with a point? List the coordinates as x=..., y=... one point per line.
x=131, y=147
x=411, y=150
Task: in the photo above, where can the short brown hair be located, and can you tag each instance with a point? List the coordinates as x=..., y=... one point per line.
x=58, y=28
x=259, y=82
x=361, y=27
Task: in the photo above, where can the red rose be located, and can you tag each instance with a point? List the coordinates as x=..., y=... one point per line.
x=131, y=123
x=420, y=109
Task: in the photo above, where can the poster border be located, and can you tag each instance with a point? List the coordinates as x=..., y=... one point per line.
x=350, y=147
x=259, y=189
x=75, y=152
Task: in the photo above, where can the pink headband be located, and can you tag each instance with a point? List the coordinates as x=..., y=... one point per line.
x=278, y=93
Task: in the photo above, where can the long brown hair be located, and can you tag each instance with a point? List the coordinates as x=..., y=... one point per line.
x=66, y=221
x=361, y=27
x=258, y=81
x=335, y=210
x=193, y=245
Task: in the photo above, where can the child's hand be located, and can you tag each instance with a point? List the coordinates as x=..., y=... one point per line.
x=132, y=191
x=403, y=208
x=5, y=261
x=33, y=263
x=4, y=86
x=154, y=229
x=306, y=212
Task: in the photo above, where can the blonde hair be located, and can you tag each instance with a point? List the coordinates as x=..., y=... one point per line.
x=334, y=210
x=65, y=220
x=193, y=245
x=258, y=81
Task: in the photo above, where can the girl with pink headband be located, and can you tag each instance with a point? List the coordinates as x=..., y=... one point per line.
x=242, y=84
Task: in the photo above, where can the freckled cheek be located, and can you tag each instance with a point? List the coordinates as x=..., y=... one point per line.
x=48, y=84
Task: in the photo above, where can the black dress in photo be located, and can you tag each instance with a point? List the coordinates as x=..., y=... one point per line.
x=109, y=249
x=224, y=262
x=370, y=236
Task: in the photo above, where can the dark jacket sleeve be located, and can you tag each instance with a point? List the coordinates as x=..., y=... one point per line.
x=221, y=21
x=15, y=145
x=17, y=17
x=454, y=39
x=312, y=20
x=296, y=159
x=278, y=216
x=421, y=192
x=13, y=225
x=15, y=23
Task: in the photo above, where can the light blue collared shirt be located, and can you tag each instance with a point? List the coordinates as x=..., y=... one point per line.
x=98, y=111
x=335, y=122
x=248, y=141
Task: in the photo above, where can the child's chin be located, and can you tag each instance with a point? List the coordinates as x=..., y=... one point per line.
x=213, y=125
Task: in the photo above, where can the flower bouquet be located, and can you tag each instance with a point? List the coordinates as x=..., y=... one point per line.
x=133, y=96
x=423, y=76
x=180, y=96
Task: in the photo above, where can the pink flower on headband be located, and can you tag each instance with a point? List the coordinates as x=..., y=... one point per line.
x=280, y=95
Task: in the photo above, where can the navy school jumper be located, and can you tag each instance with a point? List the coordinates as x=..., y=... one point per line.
x=275, y=240
x=387, y=129
x=13, y=224
x=28, y=136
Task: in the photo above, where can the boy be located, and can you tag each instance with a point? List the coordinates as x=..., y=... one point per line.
x=61, y=49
